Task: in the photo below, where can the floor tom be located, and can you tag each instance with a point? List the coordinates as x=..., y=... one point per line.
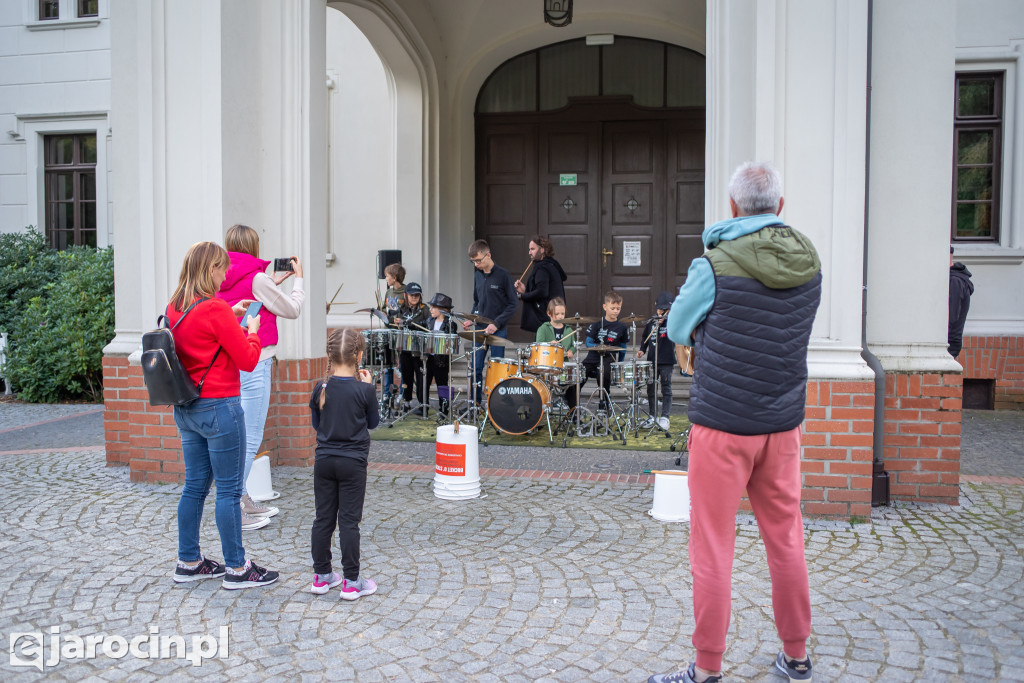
x=497, y=370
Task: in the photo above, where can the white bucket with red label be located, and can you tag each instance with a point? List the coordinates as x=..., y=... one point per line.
x=671, y=496
x=456, y=463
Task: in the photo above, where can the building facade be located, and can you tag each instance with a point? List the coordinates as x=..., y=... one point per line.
x=341, y=128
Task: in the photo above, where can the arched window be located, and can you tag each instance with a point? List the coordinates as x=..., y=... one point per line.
x=655, y=74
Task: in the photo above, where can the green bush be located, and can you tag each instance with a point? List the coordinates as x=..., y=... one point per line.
x=57, y=329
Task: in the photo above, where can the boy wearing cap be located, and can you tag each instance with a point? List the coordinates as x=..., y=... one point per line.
x=655, y=336
x=439, y=365
x=413, y=312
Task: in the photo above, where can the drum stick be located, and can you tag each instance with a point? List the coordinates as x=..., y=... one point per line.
x=526, y=271
x=419, y=326
x=570, y=334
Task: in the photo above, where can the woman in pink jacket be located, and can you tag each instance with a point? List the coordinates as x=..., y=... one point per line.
x=247, y=279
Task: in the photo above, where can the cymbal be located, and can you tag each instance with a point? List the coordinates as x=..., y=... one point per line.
x=475, y=318
x=381, y=315
x=579, y=320
x=634, y=319
x=604, y=348
x=480, y=337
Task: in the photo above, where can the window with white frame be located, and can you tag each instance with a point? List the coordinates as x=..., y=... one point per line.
x=977, y=156
x=41, y=15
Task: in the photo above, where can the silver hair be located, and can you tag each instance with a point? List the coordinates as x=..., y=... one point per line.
x=756, y=187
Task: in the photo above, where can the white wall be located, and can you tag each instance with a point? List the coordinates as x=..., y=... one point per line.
x=990, y=37
x=362, y=201
x=54, y=77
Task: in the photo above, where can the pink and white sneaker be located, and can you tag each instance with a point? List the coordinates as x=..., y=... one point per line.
x=321, y=586
x=353, y=590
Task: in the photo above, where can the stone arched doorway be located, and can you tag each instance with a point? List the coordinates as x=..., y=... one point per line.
x=602, y=148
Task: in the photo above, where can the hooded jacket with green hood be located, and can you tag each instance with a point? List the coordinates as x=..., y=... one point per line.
x=747, y=308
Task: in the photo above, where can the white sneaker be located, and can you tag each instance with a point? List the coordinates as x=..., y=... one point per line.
x=647, y=424
x=663, y=423
x=254, y=509
x=251, y=523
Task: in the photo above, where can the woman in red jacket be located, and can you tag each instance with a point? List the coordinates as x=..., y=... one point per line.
x=212, y=347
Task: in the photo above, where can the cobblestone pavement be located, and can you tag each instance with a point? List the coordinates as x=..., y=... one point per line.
x=537, y=581
x=992, y=443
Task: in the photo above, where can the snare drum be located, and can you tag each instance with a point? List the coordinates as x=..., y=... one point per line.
x=516, y=405
x=572, y=372
x=546, y=358
x=378, y=353
x=409, y=340
x=497, y=370
x=633, y=372
x=441, y=343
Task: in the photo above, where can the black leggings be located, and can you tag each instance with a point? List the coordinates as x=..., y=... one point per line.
x=339, y=487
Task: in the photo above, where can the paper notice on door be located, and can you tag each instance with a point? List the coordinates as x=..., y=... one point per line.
x=630, y=254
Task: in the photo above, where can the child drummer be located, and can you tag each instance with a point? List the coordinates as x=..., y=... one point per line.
x=412, y=316
x=666, y=354
x=439, y=365
x=607, y=331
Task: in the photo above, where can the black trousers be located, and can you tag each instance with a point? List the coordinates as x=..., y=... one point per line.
x=665, y=376
x=339, y=487
x=591, y=371
x=411, y=368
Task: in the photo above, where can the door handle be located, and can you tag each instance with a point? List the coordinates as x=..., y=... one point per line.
x=605, y=253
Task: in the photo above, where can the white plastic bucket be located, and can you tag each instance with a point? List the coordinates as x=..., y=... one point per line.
x=671, y=496
x=456, y=463
x=258, y=484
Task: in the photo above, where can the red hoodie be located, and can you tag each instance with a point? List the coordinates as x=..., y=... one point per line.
x=212, y=325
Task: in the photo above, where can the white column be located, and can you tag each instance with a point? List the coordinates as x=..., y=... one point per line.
x=911, y=179
x=786, y=83
x=219, y=108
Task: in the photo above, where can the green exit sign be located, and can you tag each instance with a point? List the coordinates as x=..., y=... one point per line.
x=566, y=178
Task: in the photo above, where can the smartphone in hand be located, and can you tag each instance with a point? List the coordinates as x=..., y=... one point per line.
x=283, y=265
x=251, y=312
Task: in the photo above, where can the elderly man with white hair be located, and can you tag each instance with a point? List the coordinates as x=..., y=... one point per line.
x=746, y=308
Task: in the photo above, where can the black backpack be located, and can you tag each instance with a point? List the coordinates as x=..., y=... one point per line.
x=167, y=381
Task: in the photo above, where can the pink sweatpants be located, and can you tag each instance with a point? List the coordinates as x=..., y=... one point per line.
x=721, y=466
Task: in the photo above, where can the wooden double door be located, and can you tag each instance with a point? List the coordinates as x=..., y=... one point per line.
x=619, y=190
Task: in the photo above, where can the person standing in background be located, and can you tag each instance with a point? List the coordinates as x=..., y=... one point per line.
x=960, y=290
x=543, y=284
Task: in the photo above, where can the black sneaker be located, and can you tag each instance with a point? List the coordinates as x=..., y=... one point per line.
x=684, y=676
x=795, y=670
x=206, y=569
x=252, y=577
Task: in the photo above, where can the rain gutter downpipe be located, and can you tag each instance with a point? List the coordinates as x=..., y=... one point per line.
x=879, y=477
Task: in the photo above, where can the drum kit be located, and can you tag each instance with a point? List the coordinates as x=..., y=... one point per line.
x=523, y=392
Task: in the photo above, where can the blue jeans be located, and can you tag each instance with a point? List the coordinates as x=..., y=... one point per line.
x=255, y=403
x=481, y=353
x=212, y=444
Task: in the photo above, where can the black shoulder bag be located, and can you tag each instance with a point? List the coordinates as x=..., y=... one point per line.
x=167, y=381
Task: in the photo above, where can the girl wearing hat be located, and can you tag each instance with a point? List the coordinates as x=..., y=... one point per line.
x=438, y=365
x=413, y=312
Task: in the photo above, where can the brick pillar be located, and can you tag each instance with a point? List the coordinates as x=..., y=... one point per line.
x=837, y=448
x=922, y=436
x=1000, y=359
x=138, y=435
x=290, y=436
